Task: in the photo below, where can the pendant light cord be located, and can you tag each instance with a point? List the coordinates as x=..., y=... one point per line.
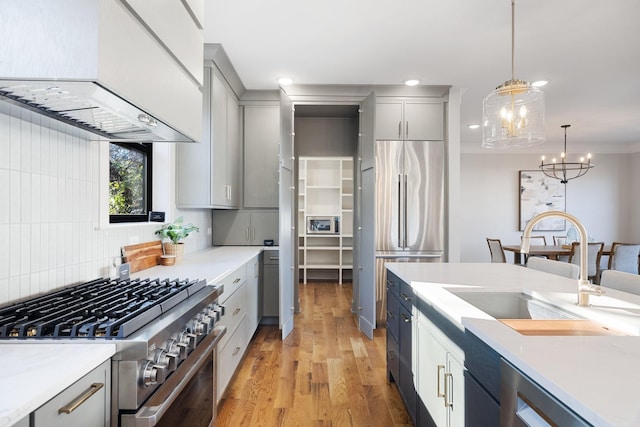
x=513, y=39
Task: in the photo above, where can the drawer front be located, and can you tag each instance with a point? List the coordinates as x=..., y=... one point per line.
x=93, y=412
x=270, y=257
x=229, y=356
x=393, y=283
x=393, y=315
x=232, y=282
x=235, y=310
x=407, y=297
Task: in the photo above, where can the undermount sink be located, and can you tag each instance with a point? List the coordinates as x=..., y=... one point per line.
x=529, y=316
x=513, y=305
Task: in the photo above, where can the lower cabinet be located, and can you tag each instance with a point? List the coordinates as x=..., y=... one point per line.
x=85, y=403
x=240, y=302
x=440, y=374
x=270, y=289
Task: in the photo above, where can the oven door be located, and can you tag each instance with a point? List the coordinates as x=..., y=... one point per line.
x=188, y=397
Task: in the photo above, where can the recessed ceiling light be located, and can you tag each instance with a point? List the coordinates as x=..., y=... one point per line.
x=474, y=126
x=539, y=83
x=412, y=82
x=284, y=81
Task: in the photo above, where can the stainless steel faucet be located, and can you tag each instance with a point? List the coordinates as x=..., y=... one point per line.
x=585, y=288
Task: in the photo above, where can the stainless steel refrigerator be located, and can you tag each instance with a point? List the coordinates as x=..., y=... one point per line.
x=409, y=207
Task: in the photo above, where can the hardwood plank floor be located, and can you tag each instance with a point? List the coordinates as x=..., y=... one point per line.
x=326, y=373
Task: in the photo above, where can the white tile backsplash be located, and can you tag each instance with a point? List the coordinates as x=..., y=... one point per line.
x=49, y=208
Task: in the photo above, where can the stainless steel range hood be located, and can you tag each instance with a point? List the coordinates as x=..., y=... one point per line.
x=91, y=107
x=97, y=65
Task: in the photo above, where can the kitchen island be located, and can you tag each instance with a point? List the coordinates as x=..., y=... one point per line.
x=594, y=376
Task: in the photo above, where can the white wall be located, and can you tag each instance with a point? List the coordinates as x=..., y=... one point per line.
x=49, y=206
x=604, y=200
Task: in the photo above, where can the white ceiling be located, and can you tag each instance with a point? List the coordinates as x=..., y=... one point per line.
x=588, y=50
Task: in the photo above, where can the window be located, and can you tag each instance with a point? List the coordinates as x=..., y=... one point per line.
x=129, y=182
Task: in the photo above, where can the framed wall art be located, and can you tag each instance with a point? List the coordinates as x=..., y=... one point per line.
x=539, y=193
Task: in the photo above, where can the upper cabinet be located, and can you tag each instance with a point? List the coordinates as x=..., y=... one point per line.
x=117, y=57
x=225, y=143
x=207, y=174
x=418, y=120
x=261, y=144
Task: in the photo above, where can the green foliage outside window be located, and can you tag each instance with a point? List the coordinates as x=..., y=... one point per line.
x=127, y=181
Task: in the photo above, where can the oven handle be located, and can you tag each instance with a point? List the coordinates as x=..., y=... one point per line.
x=163, y=398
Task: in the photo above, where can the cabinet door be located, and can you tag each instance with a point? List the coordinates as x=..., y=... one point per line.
x=231, y=227
x=407, y=388
x=261, y=139
x=423, y=121
x=92, y=412
x=430, y=375
x=367, y=131
x=264, y=226
x=219, y=189
x=233, y=151
x=253, y=275
x=389, y=121
x=454, y=395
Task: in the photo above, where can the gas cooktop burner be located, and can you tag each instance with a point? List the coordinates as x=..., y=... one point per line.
x=102, y=308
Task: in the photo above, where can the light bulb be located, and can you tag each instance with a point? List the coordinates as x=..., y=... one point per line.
x=589, y=156
x=523, y=111
x=581, y=159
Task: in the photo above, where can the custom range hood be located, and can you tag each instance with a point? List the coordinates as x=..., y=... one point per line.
x=98, y=65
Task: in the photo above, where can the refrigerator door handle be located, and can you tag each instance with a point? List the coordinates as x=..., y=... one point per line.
x=400, y=210
x=404, y=242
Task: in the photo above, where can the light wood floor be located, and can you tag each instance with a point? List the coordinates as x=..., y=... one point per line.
x=326, y=373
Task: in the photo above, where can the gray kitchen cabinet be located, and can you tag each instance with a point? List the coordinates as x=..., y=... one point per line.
x=85, y=403
x=417, y=120
x=261, y=151
x=270, y=289
x=225, y=122
x=244, y=227
x=207, y=174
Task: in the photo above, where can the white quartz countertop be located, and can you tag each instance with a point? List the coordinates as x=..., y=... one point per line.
x=596, y=376
x=211, y=264
x=33, y=373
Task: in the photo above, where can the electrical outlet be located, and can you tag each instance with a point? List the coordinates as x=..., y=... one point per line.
x=123, y=271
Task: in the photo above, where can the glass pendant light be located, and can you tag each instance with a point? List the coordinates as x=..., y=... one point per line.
x=513, y=114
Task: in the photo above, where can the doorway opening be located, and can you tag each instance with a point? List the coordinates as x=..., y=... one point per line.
x=325, y=149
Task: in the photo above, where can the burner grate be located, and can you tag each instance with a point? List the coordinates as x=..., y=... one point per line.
x=102, y=308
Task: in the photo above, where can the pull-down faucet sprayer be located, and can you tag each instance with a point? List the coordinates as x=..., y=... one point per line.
x=585, y=288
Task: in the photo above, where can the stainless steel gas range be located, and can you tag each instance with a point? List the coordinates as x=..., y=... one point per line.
x=165, y=333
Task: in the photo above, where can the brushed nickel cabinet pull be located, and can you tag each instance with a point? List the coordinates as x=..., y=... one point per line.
x=405, y=296
x=448, y=377
x=440, y=368
x=237, y=280
x=236, y=311
x=390, y=315
x=400, y=129
x=93, y=389
x=237, y=349
x=405, y=319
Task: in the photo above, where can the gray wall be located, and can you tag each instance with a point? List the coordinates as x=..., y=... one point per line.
x=320, y=136
x=604, y=200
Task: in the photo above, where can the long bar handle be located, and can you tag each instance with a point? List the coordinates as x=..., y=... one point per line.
x=405, y=211
x=406, y=125
x=93, y=389
x=399, y=210
x=448, y=377
x=400, y=129
x=440, y=368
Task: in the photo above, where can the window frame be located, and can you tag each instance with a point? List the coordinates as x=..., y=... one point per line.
x=147, y=149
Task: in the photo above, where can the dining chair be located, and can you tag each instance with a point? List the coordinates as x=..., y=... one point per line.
x=624, y=257
x=559, y=240
x=496, y=251
x=593, y=260
x=621, y=281
x=554, y=267
x=535, y=240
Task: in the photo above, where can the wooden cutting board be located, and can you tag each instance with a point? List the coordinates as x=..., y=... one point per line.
x=559, y=327
x=142, y=255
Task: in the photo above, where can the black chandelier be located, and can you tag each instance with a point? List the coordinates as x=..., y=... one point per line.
x=563, y=170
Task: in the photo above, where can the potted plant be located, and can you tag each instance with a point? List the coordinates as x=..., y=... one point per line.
x=172, y=235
